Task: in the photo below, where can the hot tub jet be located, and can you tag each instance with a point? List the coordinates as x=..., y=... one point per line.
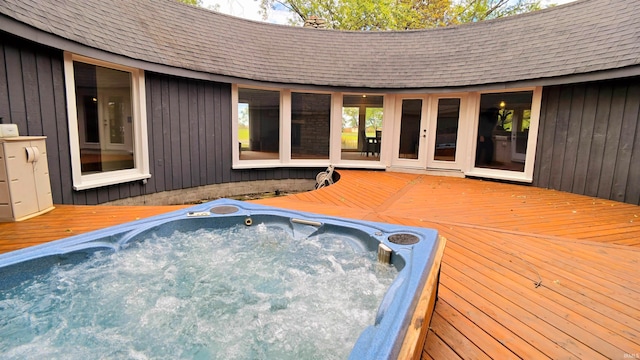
x=384, y=254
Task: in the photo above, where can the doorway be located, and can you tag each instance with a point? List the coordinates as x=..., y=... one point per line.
x=443, y=151
x=428, y=132
x=361, y=134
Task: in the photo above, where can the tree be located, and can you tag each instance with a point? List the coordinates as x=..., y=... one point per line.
x=398, y=14
x=361, y=14
x=417, y=14
x=350, y=117
x=191, y=2
x=478, y=10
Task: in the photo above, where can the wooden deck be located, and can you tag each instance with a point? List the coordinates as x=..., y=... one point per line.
x=527, y=272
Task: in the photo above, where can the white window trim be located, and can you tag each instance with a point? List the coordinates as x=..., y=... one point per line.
x=465, y=162
x=140, y=142
x=253, y=164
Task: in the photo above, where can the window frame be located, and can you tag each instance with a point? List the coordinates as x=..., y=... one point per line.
x=282, y=149
x=289, y=103
x=285, y=125
x=384, y=157
x=532, y=142
x=140, y=171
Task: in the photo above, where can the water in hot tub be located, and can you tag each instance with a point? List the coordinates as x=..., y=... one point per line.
x=238, y=293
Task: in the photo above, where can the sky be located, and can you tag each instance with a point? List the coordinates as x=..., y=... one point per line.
x=249, y=9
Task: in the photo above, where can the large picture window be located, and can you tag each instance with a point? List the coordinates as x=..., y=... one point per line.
x=258, y=124
x=103, y=105
x=503, y=130
x=106, y=126
x=310, y=125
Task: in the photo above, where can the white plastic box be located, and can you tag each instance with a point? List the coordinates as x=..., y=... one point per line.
x=25, y=188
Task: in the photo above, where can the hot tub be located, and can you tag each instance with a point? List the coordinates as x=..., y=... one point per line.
x=396, y=329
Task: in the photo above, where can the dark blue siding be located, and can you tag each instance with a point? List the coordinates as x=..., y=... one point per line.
x=589, y=140
x=188, y=123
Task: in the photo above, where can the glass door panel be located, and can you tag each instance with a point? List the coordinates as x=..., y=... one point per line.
x=361, y=127
x=410, y=120
x=447, y=130
x=445, y=146
x=349, y=136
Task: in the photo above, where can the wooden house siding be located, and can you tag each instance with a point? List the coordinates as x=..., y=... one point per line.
x=32, y=95
x=190, y=140
x=589, y=140
x=188, y=127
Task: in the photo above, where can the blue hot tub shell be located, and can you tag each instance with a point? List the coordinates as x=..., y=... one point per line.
x=381, y=340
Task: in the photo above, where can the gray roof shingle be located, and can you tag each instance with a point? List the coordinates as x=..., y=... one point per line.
x=581, y=37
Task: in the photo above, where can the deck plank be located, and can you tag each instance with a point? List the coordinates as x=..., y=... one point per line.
x=502, y=239
x=450, y=335
x=548, y=315
x=67, y=220
x=451, y=317
x=436, y=348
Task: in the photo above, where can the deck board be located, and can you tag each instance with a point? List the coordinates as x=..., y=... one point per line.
x=502, y=240
x=448, y=334
x=514, y=298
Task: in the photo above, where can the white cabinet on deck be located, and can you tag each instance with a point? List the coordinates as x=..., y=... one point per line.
x=25, y=190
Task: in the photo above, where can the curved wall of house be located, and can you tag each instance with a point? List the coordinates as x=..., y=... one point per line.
x=189, y=127
x=582, y=37
x=589, y=139
x=589, y=132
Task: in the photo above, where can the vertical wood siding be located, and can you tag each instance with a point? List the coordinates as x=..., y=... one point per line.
x=589, y=140
x=32, y=95
x=189, y=127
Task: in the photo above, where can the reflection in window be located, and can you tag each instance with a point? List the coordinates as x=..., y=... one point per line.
x=361, y=127
x=243, y=126
x=503, y=130
x=310, y=125
x=258, y=124
x=105, y=129
x=447, y=129
x=350, y=120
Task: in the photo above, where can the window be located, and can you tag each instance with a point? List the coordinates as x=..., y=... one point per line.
x=361, y=127
x=503, y=130
x=310, y=125
x=275, y=127
x=258, y=124
x=107, y=123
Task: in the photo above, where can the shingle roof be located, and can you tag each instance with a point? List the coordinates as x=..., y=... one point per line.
x=581, y=37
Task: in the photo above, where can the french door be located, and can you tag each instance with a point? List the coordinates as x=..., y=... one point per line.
x=427, y=129
x=444, y=142
x=411, y=132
